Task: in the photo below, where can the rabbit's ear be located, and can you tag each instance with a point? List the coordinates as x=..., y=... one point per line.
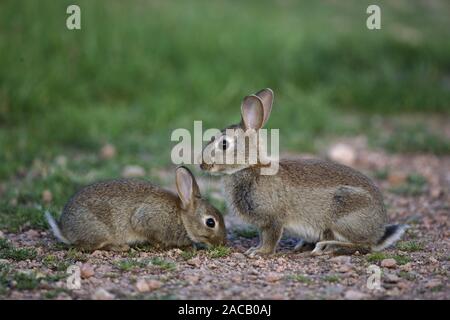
x=252, y=112
x=186, y=186
x=266, y=96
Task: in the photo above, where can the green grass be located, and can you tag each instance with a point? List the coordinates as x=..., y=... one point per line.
x=416, y=139
x=130, y=264
x=331, y=278
x=379, y=256
x=135, y=72
x=163, y=264
x=188, y=254
x=218, y=252
x=75, y=255
x=414, y=185
x=8, y=251
x=410, y=246
x=301, y=278
x=401, y=259
x=376, y=257
x=25, y=281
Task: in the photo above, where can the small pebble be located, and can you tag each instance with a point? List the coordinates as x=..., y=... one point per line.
x=87, y=271
x=108, y=151
x=196, y=262
x=389, y=263
x=273, y=277
x=47, y=196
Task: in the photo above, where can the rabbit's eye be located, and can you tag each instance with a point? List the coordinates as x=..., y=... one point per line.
x=210, y=222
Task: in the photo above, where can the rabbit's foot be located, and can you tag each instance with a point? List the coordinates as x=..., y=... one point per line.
x=258, y=251
x=321, y=248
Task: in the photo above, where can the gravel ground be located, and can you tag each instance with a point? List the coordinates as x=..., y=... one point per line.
x=418, y=268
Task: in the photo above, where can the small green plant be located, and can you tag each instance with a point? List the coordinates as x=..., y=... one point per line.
x=7, y=251
x=130, y=264
x=25, y=281
x=301, y=278
x=54, y=263
x=331, y=278
x=219, y=252
x=248, y=233
x=401, y=259
x=410, y=246
x=188, y=254
x=163, y=264
x=75, y=255
x=376, y=257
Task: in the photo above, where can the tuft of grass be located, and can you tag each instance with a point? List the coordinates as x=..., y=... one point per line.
x=25, y=281
x=248, y=233
x=163, y=264
x=376, y=257
x=218, y=252
x=74, y=255
x=130, y=264
x=7, y=251
x=54, y=263
x=331, y=278
x=415, y=185
x=410, y=246
x=188, y=254
x=301, y=278
x=401, y=259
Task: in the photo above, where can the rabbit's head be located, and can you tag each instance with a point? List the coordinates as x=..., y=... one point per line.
x=241, y=145
x=203, y=223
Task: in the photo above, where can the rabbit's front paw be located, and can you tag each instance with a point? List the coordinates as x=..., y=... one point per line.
x=258, y=251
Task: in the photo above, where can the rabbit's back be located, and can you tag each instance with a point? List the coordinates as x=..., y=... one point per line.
x=109, y=207
x=309, y=188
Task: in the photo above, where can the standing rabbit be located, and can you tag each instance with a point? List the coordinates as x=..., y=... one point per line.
x=324, y=203
x=113, y=214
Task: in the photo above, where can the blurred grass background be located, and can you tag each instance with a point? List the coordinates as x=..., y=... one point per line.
x=139, y=69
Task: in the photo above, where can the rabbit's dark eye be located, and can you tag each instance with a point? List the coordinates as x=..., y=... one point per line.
x=210, y=222
x=224, y=144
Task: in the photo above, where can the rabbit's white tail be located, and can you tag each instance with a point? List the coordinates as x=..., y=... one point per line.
x=391, y=235
x=55, y=228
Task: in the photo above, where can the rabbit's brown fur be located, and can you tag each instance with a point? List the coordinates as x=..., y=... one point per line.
x=321, y=201
x=113, y=214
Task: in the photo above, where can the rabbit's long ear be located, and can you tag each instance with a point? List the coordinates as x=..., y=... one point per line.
x=266, y=96
x=252, y=112
x=186, y=186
